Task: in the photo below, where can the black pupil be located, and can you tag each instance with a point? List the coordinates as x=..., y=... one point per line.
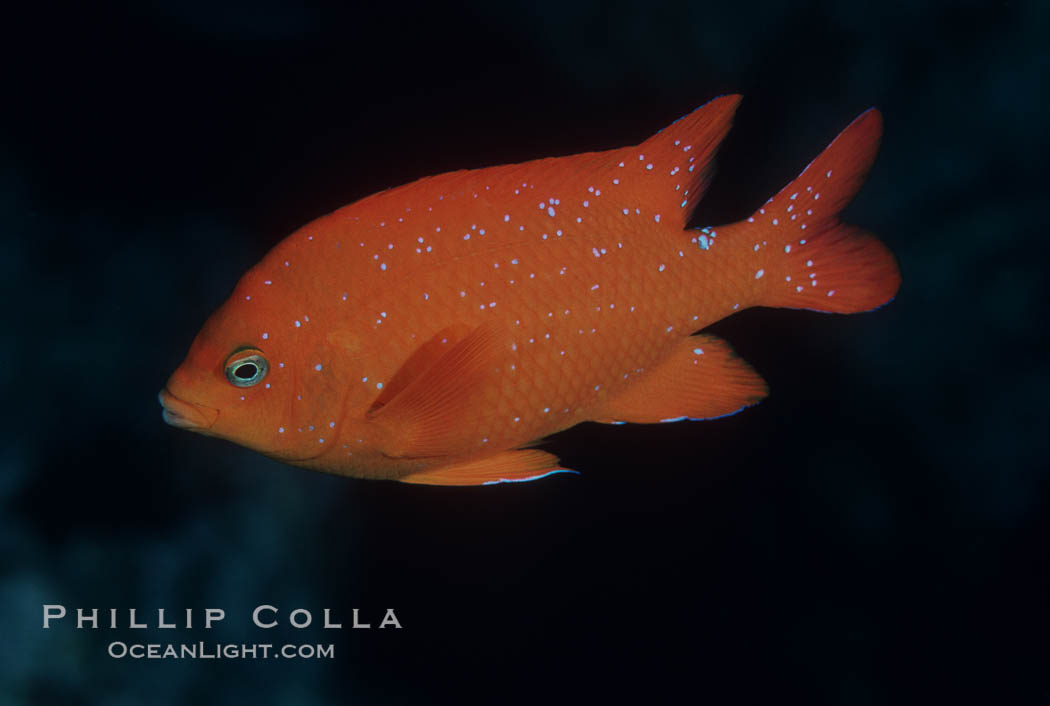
x=246, y=371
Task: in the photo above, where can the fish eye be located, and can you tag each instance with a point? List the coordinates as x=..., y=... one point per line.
x=246, y=370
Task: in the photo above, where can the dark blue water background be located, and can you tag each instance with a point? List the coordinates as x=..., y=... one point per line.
x=874, y=532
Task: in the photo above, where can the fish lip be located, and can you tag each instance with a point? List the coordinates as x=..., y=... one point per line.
x=185, y=415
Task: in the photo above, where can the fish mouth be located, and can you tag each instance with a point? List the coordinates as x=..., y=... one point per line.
x=186, y=415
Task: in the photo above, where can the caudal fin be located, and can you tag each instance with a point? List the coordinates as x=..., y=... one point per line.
x=803, y=256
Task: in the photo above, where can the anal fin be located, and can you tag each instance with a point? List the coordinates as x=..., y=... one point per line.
x=702, y=379
x=503, y=467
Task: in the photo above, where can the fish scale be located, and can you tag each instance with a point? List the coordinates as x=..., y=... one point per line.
x=432, y=332
x=612, y=340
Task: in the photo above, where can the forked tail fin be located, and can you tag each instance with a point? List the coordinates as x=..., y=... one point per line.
x=799, y=255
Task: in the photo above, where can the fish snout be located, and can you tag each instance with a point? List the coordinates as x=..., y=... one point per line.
x=185, y=415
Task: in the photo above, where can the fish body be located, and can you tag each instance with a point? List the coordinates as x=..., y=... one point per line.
x=433, y=332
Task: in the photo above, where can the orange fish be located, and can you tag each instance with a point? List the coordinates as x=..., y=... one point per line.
x=433, y=333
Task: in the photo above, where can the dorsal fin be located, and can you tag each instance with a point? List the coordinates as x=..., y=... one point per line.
x=668, y=173
x=663, y=178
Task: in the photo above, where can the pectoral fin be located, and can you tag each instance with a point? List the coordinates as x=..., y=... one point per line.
x=439, y=389
x=421, y=361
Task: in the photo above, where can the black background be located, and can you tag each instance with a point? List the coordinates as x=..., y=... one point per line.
x=874, y=532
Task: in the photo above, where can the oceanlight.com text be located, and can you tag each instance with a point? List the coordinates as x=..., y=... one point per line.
x=218, y=650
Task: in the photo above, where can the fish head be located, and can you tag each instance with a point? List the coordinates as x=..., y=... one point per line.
x=250, y=380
